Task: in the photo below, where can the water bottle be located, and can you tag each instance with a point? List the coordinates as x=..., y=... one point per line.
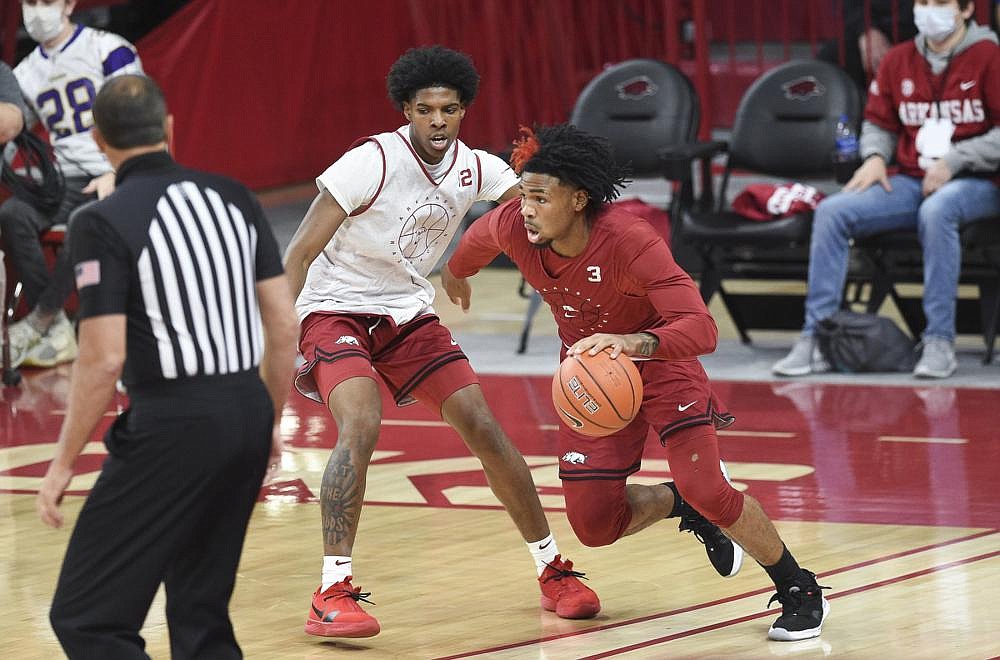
x=845, y=154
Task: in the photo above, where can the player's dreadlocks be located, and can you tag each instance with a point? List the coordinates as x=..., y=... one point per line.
x=432, y=66
x=574, y=157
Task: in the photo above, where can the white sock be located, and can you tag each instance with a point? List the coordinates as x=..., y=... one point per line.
x=335, y=569
x=544, y=552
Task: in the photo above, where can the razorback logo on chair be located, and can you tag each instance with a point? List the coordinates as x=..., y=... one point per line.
x=636, y=88
x=803, y=88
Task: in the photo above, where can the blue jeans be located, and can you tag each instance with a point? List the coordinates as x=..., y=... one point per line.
x=936, y=218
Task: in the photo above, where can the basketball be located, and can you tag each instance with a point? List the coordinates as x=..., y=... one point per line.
x=595, y=395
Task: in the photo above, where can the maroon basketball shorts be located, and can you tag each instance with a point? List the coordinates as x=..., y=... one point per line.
x=418, y=361
x=676, y=395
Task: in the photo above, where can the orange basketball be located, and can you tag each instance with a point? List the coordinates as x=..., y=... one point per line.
x=595, y=395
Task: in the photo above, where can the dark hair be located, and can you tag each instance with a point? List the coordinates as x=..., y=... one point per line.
x=574, y=157
x=432, y=66
x=130, y=111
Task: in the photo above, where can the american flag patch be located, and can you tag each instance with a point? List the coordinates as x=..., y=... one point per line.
x=88, y=273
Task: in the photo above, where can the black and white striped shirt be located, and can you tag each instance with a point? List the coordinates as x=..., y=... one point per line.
x=179, y=252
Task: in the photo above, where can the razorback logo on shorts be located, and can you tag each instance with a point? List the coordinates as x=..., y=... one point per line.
x=802, y=89
x=636, y=88
x=574, y=457
x=347, y=339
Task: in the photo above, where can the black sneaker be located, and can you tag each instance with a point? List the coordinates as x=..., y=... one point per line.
x=803, y=609
x=726, y=556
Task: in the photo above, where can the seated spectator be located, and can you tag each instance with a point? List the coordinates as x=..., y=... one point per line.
x=12, y=108
x=59, y=80
x=866, y=41
x=935, y=105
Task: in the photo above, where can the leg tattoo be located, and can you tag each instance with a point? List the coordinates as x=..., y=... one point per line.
x=340, y=498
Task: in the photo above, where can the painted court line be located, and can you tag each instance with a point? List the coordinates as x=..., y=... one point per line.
x=729, y=599
x=731, y=622
x=936, y=441
x=847, y=592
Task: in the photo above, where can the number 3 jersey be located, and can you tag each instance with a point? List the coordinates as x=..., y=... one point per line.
x=624, y=281
x=403, y=214
x=60, y=87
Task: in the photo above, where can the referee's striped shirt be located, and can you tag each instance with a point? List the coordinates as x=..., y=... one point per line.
x=179, y=252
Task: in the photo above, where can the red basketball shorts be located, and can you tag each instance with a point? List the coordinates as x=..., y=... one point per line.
x=418, y=361
x=677, y=395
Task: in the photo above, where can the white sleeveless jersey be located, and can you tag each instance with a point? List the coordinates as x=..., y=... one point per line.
x=401, y=221
x=60, y=87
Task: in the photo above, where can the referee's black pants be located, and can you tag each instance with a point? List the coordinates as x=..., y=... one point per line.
x=171, y=505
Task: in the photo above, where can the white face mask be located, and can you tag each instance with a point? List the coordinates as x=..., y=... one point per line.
x=43, y=22
x=935, y=23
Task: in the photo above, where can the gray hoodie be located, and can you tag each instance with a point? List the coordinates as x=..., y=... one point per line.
x=977, y=154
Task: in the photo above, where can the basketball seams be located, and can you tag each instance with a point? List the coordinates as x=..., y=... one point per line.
x=570, y=399
x=636, y=401
x=586, y=403
x=597, y=383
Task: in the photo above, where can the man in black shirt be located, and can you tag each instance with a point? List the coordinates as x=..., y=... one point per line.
x=176, y=270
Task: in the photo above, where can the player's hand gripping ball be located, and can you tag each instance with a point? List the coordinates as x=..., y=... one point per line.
x=595, y=395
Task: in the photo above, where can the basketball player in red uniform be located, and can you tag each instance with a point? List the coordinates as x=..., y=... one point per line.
x=612, y=282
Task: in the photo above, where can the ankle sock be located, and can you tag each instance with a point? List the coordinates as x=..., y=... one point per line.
x=679, y=503
x=544, y=552
x=335, y=569
x=785, y=570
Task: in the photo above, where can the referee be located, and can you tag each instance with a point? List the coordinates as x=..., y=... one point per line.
x=182, y=293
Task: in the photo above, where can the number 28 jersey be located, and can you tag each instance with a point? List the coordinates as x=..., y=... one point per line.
x=60, y=87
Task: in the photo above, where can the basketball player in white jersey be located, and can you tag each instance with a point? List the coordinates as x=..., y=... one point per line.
x=59, y=80
x=359, y=264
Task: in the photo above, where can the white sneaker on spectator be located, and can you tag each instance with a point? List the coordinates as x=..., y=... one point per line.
x=937, y=359
x=804, y=358
x=56, y=346
x=23, y=337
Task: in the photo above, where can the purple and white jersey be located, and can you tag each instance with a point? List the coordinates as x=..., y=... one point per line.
x=60, y=86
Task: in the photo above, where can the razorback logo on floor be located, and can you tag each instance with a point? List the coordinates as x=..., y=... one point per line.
x=764, y=201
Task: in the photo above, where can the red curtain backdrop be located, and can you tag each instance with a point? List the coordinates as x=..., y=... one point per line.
x=272, y=92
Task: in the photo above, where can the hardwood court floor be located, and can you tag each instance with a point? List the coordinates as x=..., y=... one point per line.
x=887, y=493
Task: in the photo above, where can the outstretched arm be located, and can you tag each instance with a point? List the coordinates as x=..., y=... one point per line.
x=321, y=221
x=478, y=246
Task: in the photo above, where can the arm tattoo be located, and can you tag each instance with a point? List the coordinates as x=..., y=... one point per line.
x=648, y=343
x=340, y=498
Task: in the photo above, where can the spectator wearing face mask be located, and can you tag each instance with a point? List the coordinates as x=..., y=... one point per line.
x=934, y=107
x=59, y=80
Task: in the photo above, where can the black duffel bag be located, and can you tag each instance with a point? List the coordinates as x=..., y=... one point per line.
x=854, y=343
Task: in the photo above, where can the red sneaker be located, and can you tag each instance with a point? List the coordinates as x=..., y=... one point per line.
x=564, y=594
x=336, y=613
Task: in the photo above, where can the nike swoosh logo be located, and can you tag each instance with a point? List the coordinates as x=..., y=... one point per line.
x=967, y=85
x=341, y=563
x=323, y=616
x=681, y=408
x=542, y=547
x=572, y=420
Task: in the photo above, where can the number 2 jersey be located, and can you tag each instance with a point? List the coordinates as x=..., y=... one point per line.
x=625, y=280
x=60, y=86
x=403, y=215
